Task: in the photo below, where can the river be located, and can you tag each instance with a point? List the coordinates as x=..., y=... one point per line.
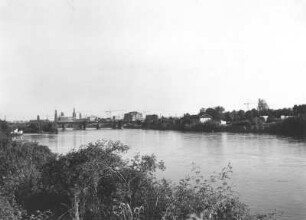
x=269, y=171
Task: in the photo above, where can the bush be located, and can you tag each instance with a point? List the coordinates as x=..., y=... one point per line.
x=4, y=133
x=20, y=169
x=295, y=126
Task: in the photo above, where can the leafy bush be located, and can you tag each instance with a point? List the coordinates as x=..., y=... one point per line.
x=295, y=126
x=211, y=198
x=4, y=133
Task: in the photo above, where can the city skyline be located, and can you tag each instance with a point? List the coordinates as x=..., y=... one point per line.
x=165, y=56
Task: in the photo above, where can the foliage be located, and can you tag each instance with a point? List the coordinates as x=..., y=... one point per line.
x=211, y=198
x=37, y=127
x=216, y=112
x=21, y=160
x=4, y=133
x=299, y=110
x=20, y=172
x=295, y=126
x=77, y=176
x=9, y=209
x=252, y=121
x=20, y=168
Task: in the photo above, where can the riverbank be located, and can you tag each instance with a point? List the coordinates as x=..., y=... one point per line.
x=291, y=127
x=36, y=127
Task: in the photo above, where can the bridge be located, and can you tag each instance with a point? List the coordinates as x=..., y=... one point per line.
x=82, y=124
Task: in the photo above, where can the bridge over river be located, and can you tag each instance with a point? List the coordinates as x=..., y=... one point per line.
x=82, y=124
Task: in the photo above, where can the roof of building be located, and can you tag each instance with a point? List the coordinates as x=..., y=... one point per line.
x=205, y=115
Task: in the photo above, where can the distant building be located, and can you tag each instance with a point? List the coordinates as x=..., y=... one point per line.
x=151, y=118
x=203, y=117
x=74, y=114
x=133, y=116
x=265, y=117
x=63, y=118
x=55, y=115
x=223, y=122
x=38, y=120
x=283, y=117
x=117, y=117
x=193, y=120
x=92, y=118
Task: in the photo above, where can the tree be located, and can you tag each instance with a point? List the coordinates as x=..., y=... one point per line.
x=216, y=112
x=78, y=174
x=299, y=110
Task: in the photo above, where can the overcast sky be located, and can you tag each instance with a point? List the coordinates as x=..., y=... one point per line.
x=164, y=56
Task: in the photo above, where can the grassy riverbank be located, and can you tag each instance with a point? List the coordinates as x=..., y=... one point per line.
x=94, y=182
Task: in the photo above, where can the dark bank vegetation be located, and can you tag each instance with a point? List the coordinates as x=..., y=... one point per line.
x=42, y=126
x=95, y=182
x=287, y=121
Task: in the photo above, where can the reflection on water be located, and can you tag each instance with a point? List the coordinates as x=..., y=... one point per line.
x=269, y=171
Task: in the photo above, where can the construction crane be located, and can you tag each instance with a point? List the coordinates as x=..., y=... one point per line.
x=144, y=112
x=247, y=104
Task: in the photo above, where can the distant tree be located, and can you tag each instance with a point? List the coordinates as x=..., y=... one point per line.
x=4, y=132
x=49, y=127
x=228, y=116
x=33, y=128
x=299, y=110
x=219, y=109
x=216, y=112
x=241, y=115
x=186, y=115
x=250, y=115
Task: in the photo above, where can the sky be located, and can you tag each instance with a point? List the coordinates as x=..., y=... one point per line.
x=154, y=56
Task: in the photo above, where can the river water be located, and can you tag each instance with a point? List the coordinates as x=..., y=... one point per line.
x=269, y=171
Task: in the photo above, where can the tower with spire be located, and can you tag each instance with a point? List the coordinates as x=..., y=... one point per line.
x=55, y=115
x=73, y=114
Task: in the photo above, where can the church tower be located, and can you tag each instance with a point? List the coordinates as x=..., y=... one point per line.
x=74, y=114
x=55, y=115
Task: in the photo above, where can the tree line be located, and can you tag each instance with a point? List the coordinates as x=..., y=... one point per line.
x=285, y=121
